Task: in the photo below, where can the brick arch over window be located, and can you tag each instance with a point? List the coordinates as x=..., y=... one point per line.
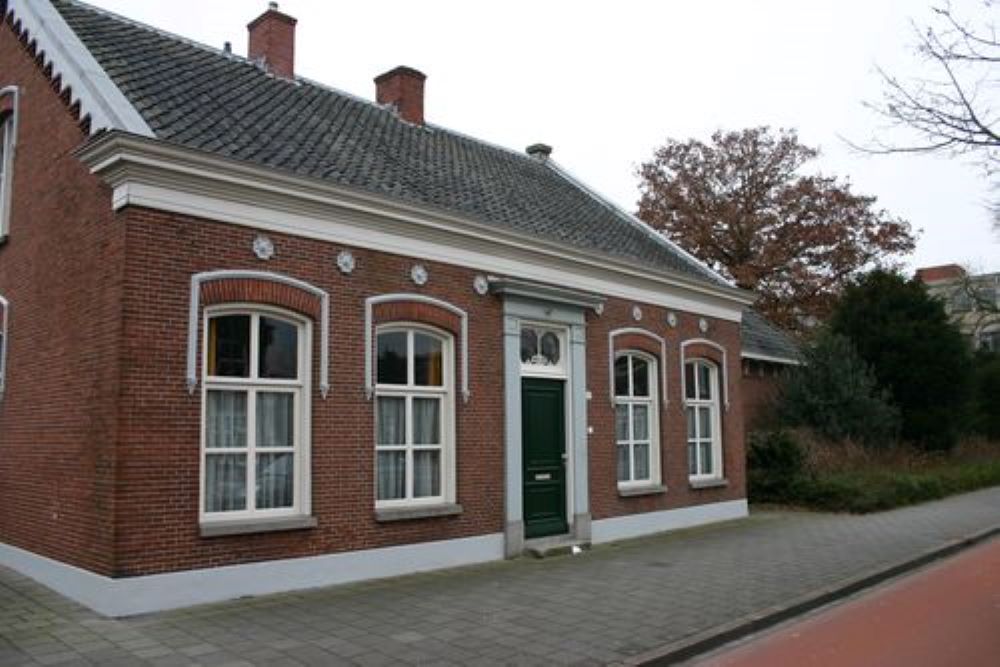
x=415, y=308
x=702, y=348
x=634, y=338
x=262, y=287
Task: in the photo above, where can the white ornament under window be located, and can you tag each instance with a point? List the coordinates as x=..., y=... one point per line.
x=703, y=325
x=480, y=285
x=345, y=261
x=672, y=319
x=418, y=274
x=636, y=313
x=263, y=247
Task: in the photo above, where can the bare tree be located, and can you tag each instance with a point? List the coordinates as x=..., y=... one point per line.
x=953, y=107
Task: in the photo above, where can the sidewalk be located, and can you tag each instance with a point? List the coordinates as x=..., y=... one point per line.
x=609, y=605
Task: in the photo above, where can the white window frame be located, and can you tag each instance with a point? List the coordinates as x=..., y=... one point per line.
x=301, y=387
x=715, y=419
x=8, y=137
x=409, y=391
x=4, y=341
x=652, y=403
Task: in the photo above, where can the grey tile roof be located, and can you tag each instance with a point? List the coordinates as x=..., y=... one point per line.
x=760, y=337
x=204, y=99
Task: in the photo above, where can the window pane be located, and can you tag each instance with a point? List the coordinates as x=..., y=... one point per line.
x=689, y=385
x=640, y=377
x=279, y=349
x=707, y=465
x=225, y=482
x=426, y=421
x=623, y=463
x=426, y=473
x=704, y=423
x=640, y=422
x=226, y=419
x=704, y=381
x=529, y=345
x=692, y=458
x=428, y=368
x=391, y=475
x=229, y=346
x=621, y=376
x=621, y=422
x=691, y=424
x=274, y=481
x=640, y=454
x=392, y=358
x=391, y=421
x=275, y=419
x=551, y=348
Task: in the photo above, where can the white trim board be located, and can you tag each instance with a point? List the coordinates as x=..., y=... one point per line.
x=648, y=523
x=158, y=592
x=99, y=97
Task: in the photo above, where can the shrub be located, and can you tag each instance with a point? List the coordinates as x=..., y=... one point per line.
x=914, y=351
x=835, y=393
x=775, y=466
x=986, y=395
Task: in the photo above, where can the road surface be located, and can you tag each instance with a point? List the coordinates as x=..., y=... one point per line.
x=946, y=614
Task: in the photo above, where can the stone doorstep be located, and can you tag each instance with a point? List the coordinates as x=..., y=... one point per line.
x=721, y=635
x=556, y=545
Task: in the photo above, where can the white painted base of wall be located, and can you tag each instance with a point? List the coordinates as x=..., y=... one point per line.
x=637, y=525
x=157, y=592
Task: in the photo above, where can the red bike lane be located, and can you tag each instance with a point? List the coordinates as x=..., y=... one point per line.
x=945, y=615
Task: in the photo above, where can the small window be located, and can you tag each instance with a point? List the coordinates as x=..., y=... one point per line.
x=255, y=431
x=413, y=416
x=636, y=420
x=542, y=350
x=701, y=389
x=6, y=169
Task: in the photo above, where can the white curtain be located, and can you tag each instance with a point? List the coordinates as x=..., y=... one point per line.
x=426, y=421
x=226, y=422
x=275, y=477
x=426, y=473
x=391, y=475
x=225, y=482
x=275, y=419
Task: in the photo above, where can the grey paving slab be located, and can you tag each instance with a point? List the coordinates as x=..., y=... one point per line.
x=600, y=607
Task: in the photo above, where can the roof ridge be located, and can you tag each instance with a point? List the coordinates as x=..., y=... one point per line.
x=628, y=217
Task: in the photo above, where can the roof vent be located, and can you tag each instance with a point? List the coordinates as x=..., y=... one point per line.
x=540, y=151
x=272, y=41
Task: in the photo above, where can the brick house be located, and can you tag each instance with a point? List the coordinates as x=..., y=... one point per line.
x=259, y=334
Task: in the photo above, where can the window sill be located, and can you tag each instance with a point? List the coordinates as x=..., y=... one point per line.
x=633, y=491
x=709, y=483
x=248, y=526
x=388, y=514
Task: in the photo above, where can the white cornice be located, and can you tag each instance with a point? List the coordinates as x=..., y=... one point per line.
x=770, y=358
x=89, y=84
x=164, y=176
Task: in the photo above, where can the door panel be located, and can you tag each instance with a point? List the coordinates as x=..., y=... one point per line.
x=543, y=438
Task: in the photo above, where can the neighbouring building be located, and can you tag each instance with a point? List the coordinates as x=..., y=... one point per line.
x=259, y=334
x=972, y=301
x=768, y=352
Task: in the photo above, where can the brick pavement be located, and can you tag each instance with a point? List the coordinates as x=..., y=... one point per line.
x=599, y=607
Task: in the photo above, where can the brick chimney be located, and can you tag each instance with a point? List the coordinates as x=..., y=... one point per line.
x=403, y=87
x=272, y=41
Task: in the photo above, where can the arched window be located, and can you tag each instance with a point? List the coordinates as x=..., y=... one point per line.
x=704, y=438
x=414, y=416
x=636, y=420
x=255, y=405
x=8, y=142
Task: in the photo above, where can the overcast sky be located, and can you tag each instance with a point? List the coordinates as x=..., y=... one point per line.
x=606, y=82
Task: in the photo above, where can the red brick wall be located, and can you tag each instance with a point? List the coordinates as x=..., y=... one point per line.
x=61, y=269
x=605, y=501
x=760, y=391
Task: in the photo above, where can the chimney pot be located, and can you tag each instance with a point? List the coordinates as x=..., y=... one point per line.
x=272, y=41
x=540, y=151
x=403, y=87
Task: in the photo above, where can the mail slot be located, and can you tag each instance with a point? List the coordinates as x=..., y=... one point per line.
x=543, y=476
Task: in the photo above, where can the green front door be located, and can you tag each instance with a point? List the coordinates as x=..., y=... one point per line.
x=543, y=438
